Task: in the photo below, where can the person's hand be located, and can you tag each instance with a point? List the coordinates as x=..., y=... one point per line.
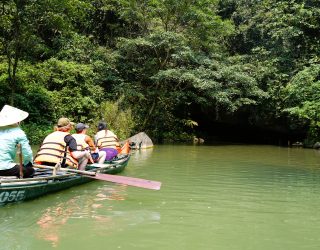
x=91, y=160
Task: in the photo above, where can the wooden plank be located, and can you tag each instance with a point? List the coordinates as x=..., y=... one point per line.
x=126, y=180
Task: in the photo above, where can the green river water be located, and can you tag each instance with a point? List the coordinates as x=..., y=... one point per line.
x=222, y=197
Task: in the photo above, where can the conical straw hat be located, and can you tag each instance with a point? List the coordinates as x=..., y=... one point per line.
x=10, y=115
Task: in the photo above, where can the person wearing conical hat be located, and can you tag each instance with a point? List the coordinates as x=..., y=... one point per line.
x=10, y=136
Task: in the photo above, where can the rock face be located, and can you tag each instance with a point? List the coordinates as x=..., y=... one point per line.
x=316, y=145
x=140, y=141
x=197, y=140
x=297, y=144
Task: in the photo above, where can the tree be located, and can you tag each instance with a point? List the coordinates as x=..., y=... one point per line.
x=29, y=31
x=280, y=38
x=15, y=38
x=166, y=77
x=303, y=95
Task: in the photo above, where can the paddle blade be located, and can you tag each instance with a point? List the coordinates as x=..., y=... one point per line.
x=131, y=181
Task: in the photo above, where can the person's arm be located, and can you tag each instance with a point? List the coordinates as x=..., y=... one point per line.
x=25, y=147
x=90, y=142
x=71, y=142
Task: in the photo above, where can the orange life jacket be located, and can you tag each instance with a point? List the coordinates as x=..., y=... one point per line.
x=125, y=148
x=53, y=149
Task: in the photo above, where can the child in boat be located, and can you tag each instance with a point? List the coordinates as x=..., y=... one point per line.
x=10, y=136
x=85, y=142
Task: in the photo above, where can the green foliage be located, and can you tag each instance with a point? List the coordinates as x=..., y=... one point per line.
x=165, y=69
x=36, y=133
x=303, y=95
x=170, y=62
x=279, y=37
x=57, y=88
x=120, y=121
x=30, y=96
x=71, y=88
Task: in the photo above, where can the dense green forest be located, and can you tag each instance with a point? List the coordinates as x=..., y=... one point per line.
x=172, y=68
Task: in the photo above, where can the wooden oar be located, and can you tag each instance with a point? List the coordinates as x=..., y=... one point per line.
x=131, y=181
x=20, y=160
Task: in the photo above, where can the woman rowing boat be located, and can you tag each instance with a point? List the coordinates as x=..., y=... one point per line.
x=10, y=136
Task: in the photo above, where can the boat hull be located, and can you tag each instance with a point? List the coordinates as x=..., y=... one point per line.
x=16, y=190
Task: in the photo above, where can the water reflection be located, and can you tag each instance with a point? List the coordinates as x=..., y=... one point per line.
x=54, y=218
x=98, y=212
x=142, y=155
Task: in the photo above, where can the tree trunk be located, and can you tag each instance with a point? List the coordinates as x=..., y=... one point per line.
x=13, y=49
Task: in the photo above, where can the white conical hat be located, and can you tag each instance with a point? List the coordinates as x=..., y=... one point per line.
x=11, y=115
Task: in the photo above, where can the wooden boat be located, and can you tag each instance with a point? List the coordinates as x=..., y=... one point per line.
x=44, y=181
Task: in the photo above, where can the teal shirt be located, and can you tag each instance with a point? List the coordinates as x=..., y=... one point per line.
x=9, y=138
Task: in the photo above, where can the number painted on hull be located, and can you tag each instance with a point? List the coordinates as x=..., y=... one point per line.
x=12, y=196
